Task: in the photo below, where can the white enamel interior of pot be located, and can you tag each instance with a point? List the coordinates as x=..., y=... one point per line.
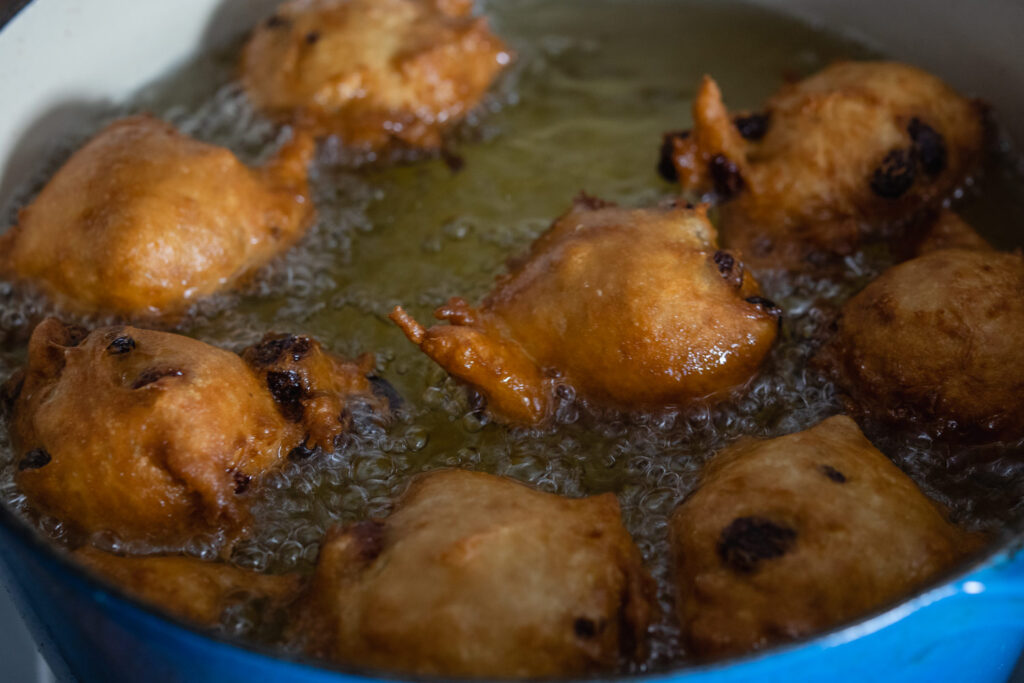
x=60, y=59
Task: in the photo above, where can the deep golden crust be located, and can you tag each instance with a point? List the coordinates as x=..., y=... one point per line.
x=789, y=536
x=148, y=435
x=372, y=71
x=936, y=340
x=311, y=385
x=157, y=437
x=188, y=588
x=475, y=575
x=515, y=388
x=635, y=308
x=854, y=152
x=143, y=220
x=946, y=231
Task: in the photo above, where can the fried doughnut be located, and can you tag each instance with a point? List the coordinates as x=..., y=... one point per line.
x=147, y=435
x=634, y=308
x=854, y=152
x=372, y=71
x=188, y=588
x=143, y=220
x=785, y=537
x=478, y=576
x=935, y=342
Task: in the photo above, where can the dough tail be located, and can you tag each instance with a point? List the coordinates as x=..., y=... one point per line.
x=499, y=368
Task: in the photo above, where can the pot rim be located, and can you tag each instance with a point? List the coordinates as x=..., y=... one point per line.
x=10, y=10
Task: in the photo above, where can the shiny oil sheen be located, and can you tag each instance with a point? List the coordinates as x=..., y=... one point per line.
x=595, y=85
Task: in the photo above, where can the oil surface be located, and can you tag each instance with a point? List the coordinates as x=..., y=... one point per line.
x=595, y=85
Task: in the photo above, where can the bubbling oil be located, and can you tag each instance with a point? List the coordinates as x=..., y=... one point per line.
x=595, y=84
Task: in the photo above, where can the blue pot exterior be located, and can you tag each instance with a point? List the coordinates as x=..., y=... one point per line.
x=970, y=628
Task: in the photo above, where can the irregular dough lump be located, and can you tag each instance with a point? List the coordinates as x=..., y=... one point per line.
x=188, y=588
x=476, y=575
x=143, y=220
x=936, y=341
x=372, y=71
x=634, y=308
x=856, y=151
x=789, y=536
x=147, y=435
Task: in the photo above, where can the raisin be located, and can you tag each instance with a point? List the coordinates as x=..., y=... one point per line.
x=752, y=126
x=766, y=305
x=895, y=175
x=666, y=158
x=929, y=147
x=729, y=268
x=34, y=459
x=312, y=37
x=833, y=474
x=584, y=628
x=724, y=261
x=748, y=540
x=120, y=345
x=298, y=347
x=270, y=351
x=726, y=176
x=242, y=482
x=287, y=389
x=267, y=352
